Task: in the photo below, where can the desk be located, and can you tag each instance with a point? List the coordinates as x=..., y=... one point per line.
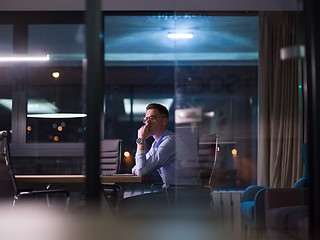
x=120, y=178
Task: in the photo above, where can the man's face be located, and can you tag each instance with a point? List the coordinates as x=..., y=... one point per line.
x=156, y=122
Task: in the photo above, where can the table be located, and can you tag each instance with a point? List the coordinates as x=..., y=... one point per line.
x=119, y=178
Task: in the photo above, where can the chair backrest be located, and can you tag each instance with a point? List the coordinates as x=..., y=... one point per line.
x=110, y=157
x=196, y=156
x=7, y=182
x=301, y=183
x=186, y=157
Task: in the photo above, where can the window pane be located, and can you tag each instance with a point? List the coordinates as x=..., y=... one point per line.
x=6, y=39
x=5, y=78
x=55, y=110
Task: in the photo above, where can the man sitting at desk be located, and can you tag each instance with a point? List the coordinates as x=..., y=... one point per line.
x=161, y=155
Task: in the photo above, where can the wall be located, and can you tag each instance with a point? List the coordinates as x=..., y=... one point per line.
x=141, y=5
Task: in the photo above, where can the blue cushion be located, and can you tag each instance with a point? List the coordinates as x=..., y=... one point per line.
x=247, y=209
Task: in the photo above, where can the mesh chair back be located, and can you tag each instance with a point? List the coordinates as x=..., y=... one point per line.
x=7, y=184
x=110, y=157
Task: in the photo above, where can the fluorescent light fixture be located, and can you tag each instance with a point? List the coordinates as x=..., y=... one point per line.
x=34, y=105
x=6, y=103
x=57, y=115
x=209, y=114
x=24, y=58
x=292, y=52
x=180, y=35
x=41, y=106
x=139, y=105
x=188, y=115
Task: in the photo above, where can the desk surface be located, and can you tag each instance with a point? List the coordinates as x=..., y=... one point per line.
x=124, y=178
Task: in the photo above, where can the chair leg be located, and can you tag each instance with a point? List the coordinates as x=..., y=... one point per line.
x=47, y=195
x=67, y=202
x=253, y=234
x=15, y=198
x=244, y=231
x=48, y=200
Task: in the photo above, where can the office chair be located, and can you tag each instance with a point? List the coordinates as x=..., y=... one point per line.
x=8, y=186
x=187, y=196
x=197, y=196
x=110, y=160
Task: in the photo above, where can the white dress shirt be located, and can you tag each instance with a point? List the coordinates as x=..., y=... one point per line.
x=161, y=157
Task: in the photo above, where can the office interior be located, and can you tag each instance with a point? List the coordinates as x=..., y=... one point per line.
x=243, y=74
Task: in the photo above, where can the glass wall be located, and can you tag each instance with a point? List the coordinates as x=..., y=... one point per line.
x=206, y=75
x=202, y=66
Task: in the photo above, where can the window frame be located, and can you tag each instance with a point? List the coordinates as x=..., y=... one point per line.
x=19, y=146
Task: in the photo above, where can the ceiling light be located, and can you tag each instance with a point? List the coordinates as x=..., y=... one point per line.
x=56, y=74
x=24, y=58
x=139, y=105
x=57, y=115
x=180, y=35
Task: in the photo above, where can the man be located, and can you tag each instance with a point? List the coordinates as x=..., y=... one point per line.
x=162, y=152
x=161, y=157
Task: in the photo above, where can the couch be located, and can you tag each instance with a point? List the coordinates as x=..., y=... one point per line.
x=286, y=211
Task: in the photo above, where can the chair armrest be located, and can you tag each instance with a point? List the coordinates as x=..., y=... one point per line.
x=250, y=193
x=259, y=206
x=283, y=197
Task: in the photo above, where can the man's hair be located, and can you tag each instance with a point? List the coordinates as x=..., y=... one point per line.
x=162, y=109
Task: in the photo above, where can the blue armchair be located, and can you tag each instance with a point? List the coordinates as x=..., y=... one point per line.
x=253, y=208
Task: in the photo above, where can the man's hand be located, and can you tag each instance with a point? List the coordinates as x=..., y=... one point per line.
x=144, y=132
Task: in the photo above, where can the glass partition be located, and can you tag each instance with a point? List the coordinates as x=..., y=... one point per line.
x=204, y=68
